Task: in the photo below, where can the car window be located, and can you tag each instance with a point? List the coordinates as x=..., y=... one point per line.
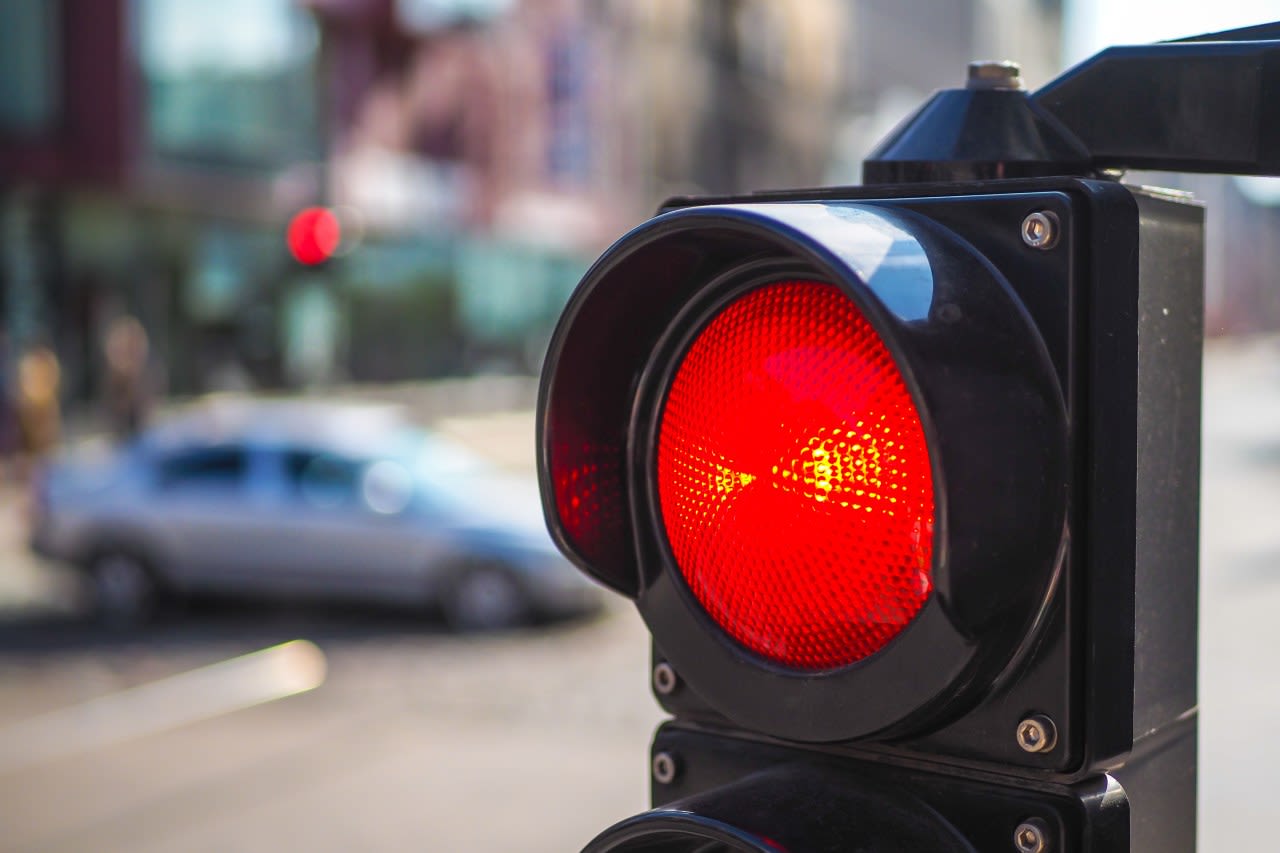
x=322, y=479
x=460, y=483
x=387, y=487
x=203, y=468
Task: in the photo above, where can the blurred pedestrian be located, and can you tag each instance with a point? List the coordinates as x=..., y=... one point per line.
x=39, y=409
x=128, y=384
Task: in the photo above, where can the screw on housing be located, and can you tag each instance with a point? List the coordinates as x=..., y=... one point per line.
x=665, y=768
x=1040, y=230
x=1031, y=836
x=665, y=680
x=1037, y=733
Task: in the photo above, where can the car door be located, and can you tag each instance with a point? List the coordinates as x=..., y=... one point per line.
x=201, y=511
x=346, y=526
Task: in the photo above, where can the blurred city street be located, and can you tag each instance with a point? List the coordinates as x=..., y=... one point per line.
x=417, y=738
x=232, y=233
x=1239, y=591
x=422, y=740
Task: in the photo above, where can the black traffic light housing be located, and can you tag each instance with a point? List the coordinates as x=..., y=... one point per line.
x=1048, y=322
x=1085, y=304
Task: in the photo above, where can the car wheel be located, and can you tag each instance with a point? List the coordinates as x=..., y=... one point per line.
x=486, y=598
x=124, y=591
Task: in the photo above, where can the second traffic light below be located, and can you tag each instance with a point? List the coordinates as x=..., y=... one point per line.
x=904, y=482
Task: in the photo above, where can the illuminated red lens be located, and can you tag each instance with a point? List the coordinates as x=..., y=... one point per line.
x=314, y=235
x=794, y=479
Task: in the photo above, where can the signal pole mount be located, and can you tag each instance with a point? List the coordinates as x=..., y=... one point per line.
x=1201, y=104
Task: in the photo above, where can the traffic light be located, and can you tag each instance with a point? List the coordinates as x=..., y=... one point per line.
x=903, y=478
x=313, y=235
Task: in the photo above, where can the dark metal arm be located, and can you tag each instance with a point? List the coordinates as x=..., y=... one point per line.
x=1207, y=103
x=1189, y=106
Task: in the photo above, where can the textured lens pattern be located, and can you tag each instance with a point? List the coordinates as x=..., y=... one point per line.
x=584, y=477
x=794, y=479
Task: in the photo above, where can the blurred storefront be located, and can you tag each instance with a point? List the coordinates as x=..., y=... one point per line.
x=149, y=187
x=478, y=153
x=159, y=148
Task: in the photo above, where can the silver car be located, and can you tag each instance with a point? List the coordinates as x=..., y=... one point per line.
x=304, y=500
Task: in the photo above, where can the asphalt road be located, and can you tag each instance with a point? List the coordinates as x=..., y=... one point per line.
x=415, y=740
x=1240, y=596
x=419, y=740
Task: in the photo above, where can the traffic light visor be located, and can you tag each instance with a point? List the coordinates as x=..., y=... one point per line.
x=794, y=478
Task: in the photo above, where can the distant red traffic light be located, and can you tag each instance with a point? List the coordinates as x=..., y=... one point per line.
x=313, y=235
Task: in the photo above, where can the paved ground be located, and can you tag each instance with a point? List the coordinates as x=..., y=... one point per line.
x=1240, y=596
x=416, y=741
x=419, y=740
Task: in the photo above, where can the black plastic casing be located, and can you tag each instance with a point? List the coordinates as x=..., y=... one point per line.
x=761, y=797
x=1110, y=657
x=1200, y=104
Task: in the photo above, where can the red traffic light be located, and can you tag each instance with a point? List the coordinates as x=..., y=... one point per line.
x=806, y=462
x=904, y=477
x=870, y=468
x=794, y=478
x=313, y=235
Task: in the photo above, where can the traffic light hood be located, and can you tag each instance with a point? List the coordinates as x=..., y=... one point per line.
x=788, y=808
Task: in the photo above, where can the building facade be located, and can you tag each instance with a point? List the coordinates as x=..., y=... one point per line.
x=478, y=154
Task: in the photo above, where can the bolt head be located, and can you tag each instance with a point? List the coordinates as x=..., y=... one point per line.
x=994, y=74
x=1040, y=230
x=665, y=679
x=1037, y=734
x=1031, y=836
x=665, y=768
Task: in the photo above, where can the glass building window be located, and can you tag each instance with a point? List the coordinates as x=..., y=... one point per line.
x=29, y=53
x=230, y=83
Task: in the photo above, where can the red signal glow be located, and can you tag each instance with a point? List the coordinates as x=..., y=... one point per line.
x=794, y=479
x=313, y=235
